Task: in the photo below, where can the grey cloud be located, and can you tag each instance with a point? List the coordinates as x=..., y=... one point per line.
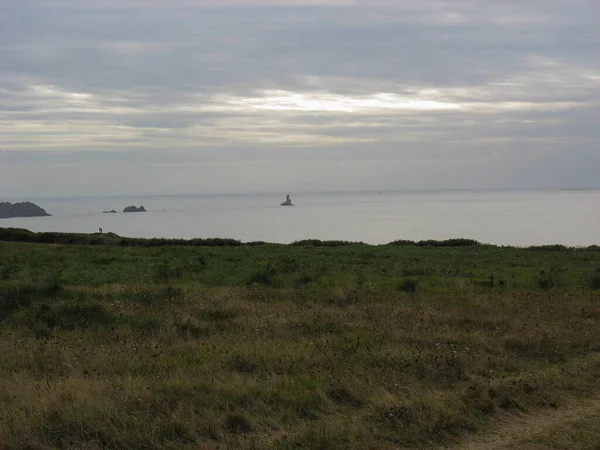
x=260, y=47
x=190, y=81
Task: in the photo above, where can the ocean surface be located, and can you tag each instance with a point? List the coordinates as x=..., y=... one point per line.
x=524, y=218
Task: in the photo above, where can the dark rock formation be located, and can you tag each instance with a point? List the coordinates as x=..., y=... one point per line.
x=112, y=211
x=25, y=209
x=288, y=201
x=134, y=209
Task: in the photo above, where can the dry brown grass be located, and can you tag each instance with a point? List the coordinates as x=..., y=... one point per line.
x=225, y=367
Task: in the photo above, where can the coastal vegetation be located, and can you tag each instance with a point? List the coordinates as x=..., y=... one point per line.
x=122, y=343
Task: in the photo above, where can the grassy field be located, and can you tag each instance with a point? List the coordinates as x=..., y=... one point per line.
x=316, y=345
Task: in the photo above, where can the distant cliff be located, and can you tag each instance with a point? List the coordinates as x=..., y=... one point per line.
x=24, y=209
x=134, y=209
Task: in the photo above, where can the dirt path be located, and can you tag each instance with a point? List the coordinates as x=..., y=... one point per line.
x=511, y=429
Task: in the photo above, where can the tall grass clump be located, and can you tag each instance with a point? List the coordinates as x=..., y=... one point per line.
x=408, y=285
x=264, y=276
x=167, y=271
x=593, y=279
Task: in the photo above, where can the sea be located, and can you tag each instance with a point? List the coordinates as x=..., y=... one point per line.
x=515, y=218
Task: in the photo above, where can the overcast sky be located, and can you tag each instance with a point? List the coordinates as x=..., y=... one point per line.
x=173, y=96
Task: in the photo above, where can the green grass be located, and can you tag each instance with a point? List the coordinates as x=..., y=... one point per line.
x=311, y=345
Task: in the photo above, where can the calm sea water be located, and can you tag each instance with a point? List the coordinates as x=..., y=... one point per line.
x=504, y=218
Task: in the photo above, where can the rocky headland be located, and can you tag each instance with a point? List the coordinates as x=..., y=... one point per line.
x=23, y=209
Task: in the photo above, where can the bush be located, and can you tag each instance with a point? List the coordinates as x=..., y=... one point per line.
x=593, y=280
x=408, y=285
x=549, y=248
x=256, y=243
x=457, y=242
x=265, y=276
x=548, y=279
x=319, y=243
x=21, y=235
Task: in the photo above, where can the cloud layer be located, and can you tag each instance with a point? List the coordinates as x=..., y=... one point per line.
x=256, y=95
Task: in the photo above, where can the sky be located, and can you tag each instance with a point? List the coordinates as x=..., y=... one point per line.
x=111, y=97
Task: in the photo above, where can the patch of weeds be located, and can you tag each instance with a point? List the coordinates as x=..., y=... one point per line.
x=417, y=272
x=237, y=424
x=77, y=426
x=106, y=260
x=350, y=345
x=361, y=279
x=319, y=438
x=308, y=407
x=305, y=279
x=548, y=279
x=397, y=415
x=477, y=396
x=159, y=295
x=219, y=314
x=593, y=280
x=343, y=396
x=241, y=364
x=408, y=285
x=319, y=327
x=8, y=270
x=265, y=276
x=71, y=316
x=199, y=263
x=190, y=327
x=517, y=343
x=15, y=296
x=345, y=296
x=442, y=367
x=144, y=325
x=171, y=293
x=172, y=431
x=504, y=398
x=489, y=283
x=167, y=271
x=445, y=424
x=41, y=330
x=257, y=243
x=287, y=264
x=52, y=283
x=545, y=280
